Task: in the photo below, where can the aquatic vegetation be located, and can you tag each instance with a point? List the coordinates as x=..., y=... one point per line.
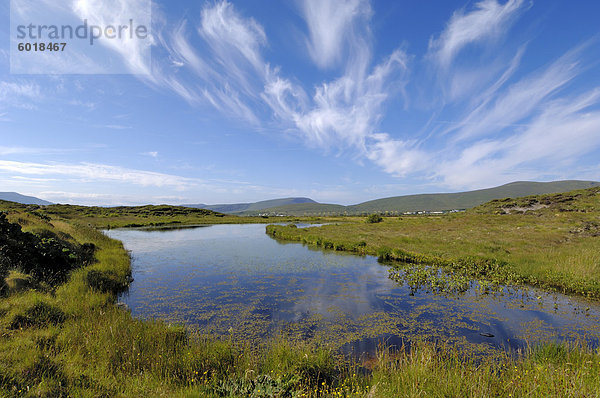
x=430, y=278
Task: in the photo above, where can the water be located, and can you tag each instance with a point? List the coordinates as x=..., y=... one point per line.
x=235, y=280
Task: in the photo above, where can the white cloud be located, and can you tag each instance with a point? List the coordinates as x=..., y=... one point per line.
x=103, y=199
x=344, y=112
x=116, y=127
x=17, y=150
x=397, y=157
x=134, y=52
x=520, y=99
x=555, y=140
x=220, y=66
x=19, y=94
x=90, y=172
x=506, y=126
x=331, y=25
x=488, y=21
x=232, y=37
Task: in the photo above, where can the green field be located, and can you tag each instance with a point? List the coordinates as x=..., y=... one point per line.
x=66, y=337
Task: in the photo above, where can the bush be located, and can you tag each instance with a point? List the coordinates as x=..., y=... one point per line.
x=374, y=218
x=44, y=256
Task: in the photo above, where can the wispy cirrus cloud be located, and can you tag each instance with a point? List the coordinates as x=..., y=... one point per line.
x=343, y=112
x=500, y=115
x=333, y=26
x=135, y=53
x=232, y=38
x=230, y=78
x=566, y=130
x=19, y=150
x=521, y=98
x=19, y=94
x=488, y=21
x=527, y=129
x=98, y=172
x=511, y=128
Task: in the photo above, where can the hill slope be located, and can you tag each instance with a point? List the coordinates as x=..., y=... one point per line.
x=467, y=200
x=432, y=202
x=235, y=208
x=26, y=200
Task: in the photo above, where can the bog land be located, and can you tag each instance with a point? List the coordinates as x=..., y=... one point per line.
x=62, y=333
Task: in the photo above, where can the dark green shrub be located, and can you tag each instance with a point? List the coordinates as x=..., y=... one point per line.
x=45, y=256
x=374, y=218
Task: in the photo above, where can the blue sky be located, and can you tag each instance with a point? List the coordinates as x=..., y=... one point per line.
x=340, y=101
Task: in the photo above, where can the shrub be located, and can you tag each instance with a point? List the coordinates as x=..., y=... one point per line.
x=374, y=218
x=45, y=256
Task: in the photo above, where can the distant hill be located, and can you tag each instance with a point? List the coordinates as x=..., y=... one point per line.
x=26, y=200
x=430, y=202
x=237, y=208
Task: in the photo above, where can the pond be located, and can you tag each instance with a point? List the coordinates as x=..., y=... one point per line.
x=234, y=280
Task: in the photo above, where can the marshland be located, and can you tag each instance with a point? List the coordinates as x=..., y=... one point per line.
x=501, y=300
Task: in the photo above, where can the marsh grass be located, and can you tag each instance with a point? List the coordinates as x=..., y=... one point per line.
x=435, y=370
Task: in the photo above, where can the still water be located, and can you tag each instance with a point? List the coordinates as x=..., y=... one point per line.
x=234, y=280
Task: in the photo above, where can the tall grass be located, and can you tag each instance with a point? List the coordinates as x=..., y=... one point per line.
x=548, y=370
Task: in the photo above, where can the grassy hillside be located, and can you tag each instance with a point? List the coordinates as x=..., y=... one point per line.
x=552, y=241
x=302, y=209
x=467, y=200
x=432, y=202
x=237, y=208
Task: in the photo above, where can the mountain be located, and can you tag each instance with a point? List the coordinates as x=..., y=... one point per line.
x=236, y=208
x=26, y=200
x=429, y=202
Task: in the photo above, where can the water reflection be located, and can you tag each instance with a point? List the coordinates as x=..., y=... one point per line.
x=234, y=279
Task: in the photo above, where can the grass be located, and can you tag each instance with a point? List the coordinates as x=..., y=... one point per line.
x=72, y=340
x=550, y=241
x=436, y=371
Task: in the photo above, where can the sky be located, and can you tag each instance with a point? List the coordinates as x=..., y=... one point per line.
x=341, y=101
